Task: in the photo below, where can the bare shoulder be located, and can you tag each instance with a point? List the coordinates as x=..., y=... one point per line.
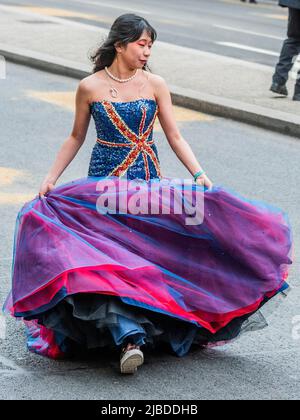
x=156, y=78
x=157, y=81
x=159, y=86
x=90, y=84
x=84, y=89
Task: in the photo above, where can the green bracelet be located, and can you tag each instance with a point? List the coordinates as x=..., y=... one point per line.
x=198, y=174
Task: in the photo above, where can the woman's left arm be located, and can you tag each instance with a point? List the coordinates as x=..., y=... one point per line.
x=178, y=144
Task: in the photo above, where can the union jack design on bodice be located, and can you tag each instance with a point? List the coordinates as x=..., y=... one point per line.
x=133, y=136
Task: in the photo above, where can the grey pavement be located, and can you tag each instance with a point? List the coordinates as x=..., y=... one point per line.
x=201, y=80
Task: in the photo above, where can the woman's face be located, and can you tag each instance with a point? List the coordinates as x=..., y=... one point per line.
x=137, y=53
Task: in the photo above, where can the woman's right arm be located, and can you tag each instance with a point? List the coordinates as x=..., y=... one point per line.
x=72, y=144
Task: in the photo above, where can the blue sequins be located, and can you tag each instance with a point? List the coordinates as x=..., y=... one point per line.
x=125, y=139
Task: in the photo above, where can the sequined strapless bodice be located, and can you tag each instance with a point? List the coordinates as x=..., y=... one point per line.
x=125, y=141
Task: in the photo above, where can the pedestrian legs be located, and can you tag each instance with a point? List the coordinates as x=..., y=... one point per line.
x=289, y=53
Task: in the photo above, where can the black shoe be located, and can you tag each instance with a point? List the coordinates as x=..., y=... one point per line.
x=280, y=89
x=296, y=97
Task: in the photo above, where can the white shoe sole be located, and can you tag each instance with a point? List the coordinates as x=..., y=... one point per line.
x=131, y=360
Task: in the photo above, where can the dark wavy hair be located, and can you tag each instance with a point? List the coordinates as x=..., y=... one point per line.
x=126, y=28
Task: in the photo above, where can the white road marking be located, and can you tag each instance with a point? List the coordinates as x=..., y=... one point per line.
x=248, y=48
x=13, y=369
x=171, y=47
x=112, y=6
x=245, y=31
x=68, y=22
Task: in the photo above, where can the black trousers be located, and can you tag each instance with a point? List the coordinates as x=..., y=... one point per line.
x=290, y=51
x=294, y=24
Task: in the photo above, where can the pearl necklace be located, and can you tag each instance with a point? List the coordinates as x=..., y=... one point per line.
x=117, y=79
x=113, y=91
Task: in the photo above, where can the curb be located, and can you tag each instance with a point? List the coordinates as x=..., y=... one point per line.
x=44, y=62
x=272, y=120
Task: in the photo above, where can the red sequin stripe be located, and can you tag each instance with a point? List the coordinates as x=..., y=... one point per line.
x=118, y=122
x=138, y=144
x=129, y=160
x=142, y=123
x=154, y=159
x=150, y=142
x=148, y=130
x=110, y=143
x=146, y=165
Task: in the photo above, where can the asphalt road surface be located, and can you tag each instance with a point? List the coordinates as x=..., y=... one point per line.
x=251, y=32
x=37, y=113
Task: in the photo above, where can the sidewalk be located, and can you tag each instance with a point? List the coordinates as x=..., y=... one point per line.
x=203, y=81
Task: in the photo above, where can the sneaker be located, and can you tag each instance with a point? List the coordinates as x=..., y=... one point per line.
x=280, y=89
x=130, y=360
